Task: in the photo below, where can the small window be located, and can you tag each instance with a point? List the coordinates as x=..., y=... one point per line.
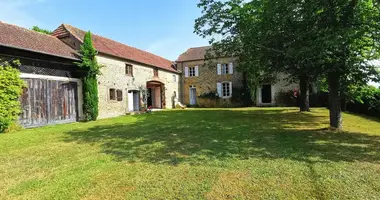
x=174, y=78
x=112, y=94
x=155, y=72
x=129, y=70
x=225, y=69
x=226, y=92
x=191, y=71
x=119, y=95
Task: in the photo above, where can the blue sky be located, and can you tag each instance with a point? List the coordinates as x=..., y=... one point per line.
x=162, y=27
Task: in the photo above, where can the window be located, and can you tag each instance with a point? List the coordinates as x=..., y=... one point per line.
x=191, y=71
x=225, y=69
x=174, y=78
x=119, y=95
x=155, y=72
x=226, y=91
x=112, y=94
x=129, y=70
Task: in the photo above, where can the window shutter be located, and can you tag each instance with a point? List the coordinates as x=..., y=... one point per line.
x=219, y=69
x=231, y=89
x=219, y=89
x=196, y=71
x=231, y=70
x=186, y=72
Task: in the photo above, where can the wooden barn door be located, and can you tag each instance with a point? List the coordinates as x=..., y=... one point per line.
x=48, y=102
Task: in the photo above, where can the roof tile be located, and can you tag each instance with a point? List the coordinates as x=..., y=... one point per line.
x=111, y=47
x=22, y=38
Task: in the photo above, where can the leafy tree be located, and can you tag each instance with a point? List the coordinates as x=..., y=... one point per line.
x=308, y=39
x=10, y=90
x=90, y=84
x=44, y=31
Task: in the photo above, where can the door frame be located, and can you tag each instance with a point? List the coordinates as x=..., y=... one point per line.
x=193, y=88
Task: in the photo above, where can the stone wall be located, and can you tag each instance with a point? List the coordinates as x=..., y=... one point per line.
x=280, y=85
x=207, y=80
x=113, y=76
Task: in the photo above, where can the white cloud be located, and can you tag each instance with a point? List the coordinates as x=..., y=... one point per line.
x=13, y=12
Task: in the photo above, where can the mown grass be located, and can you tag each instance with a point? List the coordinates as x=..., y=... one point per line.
x=254, y=153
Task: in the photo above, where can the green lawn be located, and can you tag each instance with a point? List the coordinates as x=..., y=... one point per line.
x=255, y=153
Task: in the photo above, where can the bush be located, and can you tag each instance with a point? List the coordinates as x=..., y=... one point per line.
x=10, y=91
x=284, y=98
x=366, y=101
x=241, y=97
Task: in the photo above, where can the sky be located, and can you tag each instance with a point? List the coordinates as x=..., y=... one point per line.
x=162, y=27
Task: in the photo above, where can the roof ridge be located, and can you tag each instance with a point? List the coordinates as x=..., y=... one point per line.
x=200, y=47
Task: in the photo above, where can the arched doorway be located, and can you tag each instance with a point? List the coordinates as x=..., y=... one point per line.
x=155, y=94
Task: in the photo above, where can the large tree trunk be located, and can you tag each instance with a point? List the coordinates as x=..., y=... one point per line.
x=304, y=96
x=334, y=101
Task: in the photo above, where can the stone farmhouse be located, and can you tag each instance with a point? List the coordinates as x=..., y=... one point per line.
x=220, y=75
x=131, y=79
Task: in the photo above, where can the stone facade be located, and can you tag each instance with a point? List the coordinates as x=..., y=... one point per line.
x=113, y=76
x=207, y=80
x=281, y=84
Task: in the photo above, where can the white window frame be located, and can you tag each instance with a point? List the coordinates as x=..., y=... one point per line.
x=174, y=78
x=192, y=71
x=225, y=68
x=226, y=89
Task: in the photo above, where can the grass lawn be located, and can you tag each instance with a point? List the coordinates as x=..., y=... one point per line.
x=255, y=153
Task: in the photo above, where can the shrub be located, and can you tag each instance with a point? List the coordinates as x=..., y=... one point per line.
x=366, y=100
x=241, y=97
x=10, y=91
x=286, y=98
x=209, y=95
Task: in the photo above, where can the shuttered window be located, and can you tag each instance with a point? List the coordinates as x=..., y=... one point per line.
x=112, y=94
x=191, y=71
x=119, y=95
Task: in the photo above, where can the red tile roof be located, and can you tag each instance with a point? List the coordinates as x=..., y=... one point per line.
x=22, y=38
x=196, y=53
x=111, y=47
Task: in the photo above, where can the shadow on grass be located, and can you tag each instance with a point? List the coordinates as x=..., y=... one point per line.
x=199, y=136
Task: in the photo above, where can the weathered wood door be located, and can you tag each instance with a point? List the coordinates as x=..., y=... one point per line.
x=48, y=102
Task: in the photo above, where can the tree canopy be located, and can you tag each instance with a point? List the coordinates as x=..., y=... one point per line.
x=44, y=31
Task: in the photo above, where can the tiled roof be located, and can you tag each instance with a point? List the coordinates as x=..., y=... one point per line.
x=22, y=38
x=111, y=47
x=196, y=53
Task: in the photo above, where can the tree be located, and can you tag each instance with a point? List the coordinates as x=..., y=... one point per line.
x=44, y=31
x=307, y=39
x=90, y=84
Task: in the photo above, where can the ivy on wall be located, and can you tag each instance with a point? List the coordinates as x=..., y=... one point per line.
x=11, y=86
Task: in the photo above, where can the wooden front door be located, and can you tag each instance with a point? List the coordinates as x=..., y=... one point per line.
x=48, y=102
